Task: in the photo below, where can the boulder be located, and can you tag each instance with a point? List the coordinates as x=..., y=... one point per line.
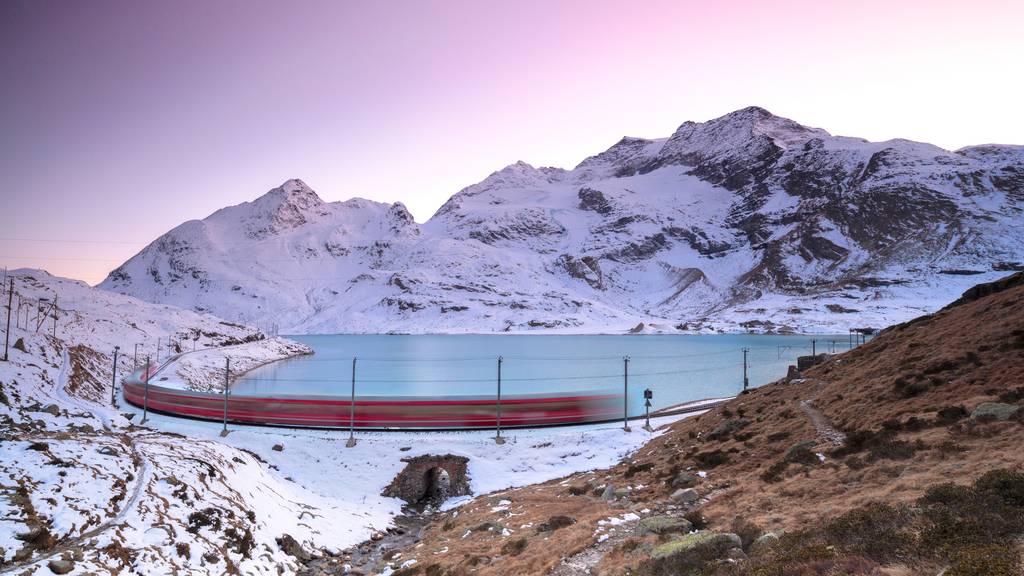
x=994, y=411
x=704, y=544
x=685, y=480
x=608, y=493
x=801, y=453
x=735, y=554
x=61, y=566
x=555, y=523
x=663, y=525
x=685, y=496
x=291, y=547
x=763, y=544
x=792, y=373
x=51, y=409
x=277, y=447
x=727, y=428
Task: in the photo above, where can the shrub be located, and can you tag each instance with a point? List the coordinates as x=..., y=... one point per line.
x=696, y=519
x=1005, y=484
x=711, y=458
x=959, y=517
x=774, y=472
x=906, y=389
x=988, y=560
x=514, y=547
x=746, y=530
x=876, y=531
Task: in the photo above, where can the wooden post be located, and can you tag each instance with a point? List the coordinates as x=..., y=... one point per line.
x=145, y=394
x=227, y=377
x=498, y=438
x=113, y=380
x=352, y=410
x=625, y=393
x=7, y=335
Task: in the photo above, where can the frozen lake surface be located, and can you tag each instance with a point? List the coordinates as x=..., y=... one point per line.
x=676, y=368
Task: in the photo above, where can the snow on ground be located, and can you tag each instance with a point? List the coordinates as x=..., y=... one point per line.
x=203, y=370
x=84, y=487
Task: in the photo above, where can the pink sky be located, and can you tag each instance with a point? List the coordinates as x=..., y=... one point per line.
x=120, y=120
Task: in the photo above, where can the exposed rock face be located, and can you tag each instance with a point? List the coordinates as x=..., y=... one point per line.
x=430, y=479
x=662, y=525
x=745, y=211
x=994, y=411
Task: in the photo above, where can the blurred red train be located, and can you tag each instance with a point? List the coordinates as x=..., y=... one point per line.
x=449, y=412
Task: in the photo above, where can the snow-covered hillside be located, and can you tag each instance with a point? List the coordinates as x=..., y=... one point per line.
x=745, y=222
x=89, y=488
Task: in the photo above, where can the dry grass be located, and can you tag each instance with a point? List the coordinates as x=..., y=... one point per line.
x=898, y=398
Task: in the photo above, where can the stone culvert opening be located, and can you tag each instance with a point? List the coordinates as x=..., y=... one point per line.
x=430, y=479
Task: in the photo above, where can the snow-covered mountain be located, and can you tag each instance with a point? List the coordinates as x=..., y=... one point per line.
x=744, y=222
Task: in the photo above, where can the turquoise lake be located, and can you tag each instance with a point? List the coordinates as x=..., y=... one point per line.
x=676, y=368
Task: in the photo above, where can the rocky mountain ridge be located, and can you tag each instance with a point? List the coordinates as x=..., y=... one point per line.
x=745, y=222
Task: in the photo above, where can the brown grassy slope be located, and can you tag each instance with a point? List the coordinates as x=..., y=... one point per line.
x=898, y=398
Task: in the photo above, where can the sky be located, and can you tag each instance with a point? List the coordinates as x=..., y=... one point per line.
x=121, y=119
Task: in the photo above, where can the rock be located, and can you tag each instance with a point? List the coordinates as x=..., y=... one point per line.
x=51, y=409
x=555, y=523
x=108, y=451
x=77, y=554
x=377, y=536
x=39, y=446
x=801, y=453
x=292, y=548
x=685, y=496
x=662, y=525
x=994, y=411
x=637, y=329
x=793, y=373
x=278, y=448
x=700, y=542
x=763, y=544
x=685, y=480
x=19, y=344
x=727, y=428
x=61, y=566
x=608, y=493
x=622, y=493
x=735, y=554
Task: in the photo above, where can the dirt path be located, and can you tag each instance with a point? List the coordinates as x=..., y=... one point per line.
x=826, y=431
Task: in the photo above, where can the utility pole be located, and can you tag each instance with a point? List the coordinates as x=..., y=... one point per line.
x=55, y=310
x=746, y=381
x=113, y=380
x=814, y=349
x=227, y=375
x=145, y=395
x=158, y=349
x=498, y=438
x=7, y=335
x=135, y=358
x=625, y=393
x=352, y=410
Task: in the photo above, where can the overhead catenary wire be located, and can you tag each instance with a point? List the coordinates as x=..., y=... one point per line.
x=487, y=380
